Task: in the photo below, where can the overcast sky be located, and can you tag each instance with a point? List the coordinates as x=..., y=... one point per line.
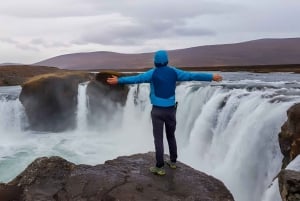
x=34, y=30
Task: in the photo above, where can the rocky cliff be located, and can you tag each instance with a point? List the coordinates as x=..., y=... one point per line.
x=289, y=184
x=289, y=137
x=126, y=178
x=289, y=141
x=50, y=100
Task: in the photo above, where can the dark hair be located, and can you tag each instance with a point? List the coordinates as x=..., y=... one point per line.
x=161, y=64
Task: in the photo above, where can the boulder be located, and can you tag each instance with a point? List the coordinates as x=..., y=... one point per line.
x=289, y=137
x=125, y=178
x=289, y=185
x=103, y=99
x=50, y=100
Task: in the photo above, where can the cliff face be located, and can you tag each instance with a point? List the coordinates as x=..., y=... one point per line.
x=125, y=178
x=50, y=100
x=289, y=137
x=289, y=184
x=289, y=141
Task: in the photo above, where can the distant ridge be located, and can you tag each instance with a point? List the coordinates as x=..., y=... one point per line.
x=10, y=64
x=256, y=52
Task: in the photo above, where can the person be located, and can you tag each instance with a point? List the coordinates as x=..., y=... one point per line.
x=162, y=79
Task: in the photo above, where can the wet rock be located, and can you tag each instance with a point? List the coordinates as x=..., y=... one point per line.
x=289, y=137
x=104, y=99
x=10, y=192
x=50, y=100
x=125, y=178
x=289, y=185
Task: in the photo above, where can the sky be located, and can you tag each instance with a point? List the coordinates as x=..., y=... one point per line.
x=35, y=30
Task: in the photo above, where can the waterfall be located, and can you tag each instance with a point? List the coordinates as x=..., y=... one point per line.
x=231, y=132
x=12, y=118
x=82, y=107
x=233, y=135
x=228, y=130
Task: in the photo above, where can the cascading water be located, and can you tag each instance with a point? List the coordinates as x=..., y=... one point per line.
x=11, y=110
x=82, y=107
x=234, y=137
x=228, y=130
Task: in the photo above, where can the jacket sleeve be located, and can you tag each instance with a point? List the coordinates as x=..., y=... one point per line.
x=140, y=78
x=189, y=76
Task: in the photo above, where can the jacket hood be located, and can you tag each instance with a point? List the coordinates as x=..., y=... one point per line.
x=161, y=58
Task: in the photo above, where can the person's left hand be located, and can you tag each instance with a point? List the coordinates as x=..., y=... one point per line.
x=217, y=77
x=112, y=80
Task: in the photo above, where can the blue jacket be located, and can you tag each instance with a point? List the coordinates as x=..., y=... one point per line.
x=163, y=82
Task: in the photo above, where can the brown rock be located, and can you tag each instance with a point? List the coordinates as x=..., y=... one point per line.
x=10, y=192
x=125, y=178
x=289, y=185
x=50, y=100
x=17, y=74
x=289, y=137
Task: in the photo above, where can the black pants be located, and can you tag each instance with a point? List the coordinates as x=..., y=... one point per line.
x=164, y=117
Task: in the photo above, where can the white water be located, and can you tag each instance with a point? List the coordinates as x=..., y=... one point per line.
x=82, y=108
x=229, y=131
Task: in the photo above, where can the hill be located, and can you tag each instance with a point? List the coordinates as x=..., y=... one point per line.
x=256, y=52
x=17, y=74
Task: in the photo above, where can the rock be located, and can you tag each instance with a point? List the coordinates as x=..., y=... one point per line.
x=50, y=100
x=125, y=178
x=289, y=137
x=289, y=185
x=17, y=74
x=10, y=192
x=103, y=99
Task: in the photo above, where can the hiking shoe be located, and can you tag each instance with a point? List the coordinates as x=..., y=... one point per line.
x=159, y=171
x=171, y=164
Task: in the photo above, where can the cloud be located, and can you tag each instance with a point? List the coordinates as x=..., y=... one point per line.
x=130, y=34
x=139, y=21
x=46, y=44
x=127, y=21
x=8, y=40
x=18, y=44
x=52, y=27
x=27, y=47
x=45, y=8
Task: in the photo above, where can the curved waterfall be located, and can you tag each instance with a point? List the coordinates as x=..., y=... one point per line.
x=228, y=130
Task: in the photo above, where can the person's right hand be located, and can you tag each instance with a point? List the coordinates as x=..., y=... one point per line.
x=112, y=80
x=217, y=77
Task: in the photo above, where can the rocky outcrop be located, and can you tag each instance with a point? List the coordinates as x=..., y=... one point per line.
x=50, y=100
x=103, y=99
x=125, y=178
x=289, y=185
x=289, y=137
x=17, y=74
x=289, y=141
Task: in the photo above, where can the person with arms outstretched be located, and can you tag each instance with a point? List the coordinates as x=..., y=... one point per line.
x=162, y=79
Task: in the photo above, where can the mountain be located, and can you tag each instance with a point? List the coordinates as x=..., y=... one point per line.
x=256, y=52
